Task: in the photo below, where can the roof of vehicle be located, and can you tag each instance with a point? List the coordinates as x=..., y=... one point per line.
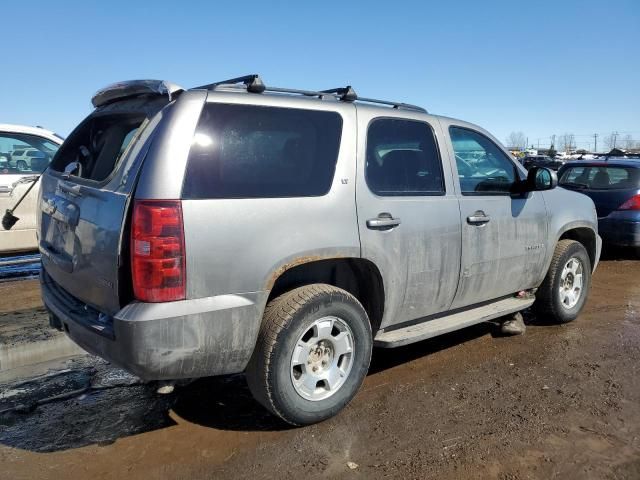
x=42, y=132
x=611, y=162
x=253, y=85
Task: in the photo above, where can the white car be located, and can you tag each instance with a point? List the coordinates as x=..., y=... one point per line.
x=24, y=153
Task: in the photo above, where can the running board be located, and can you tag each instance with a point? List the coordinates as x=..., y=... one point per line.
x=439, y=326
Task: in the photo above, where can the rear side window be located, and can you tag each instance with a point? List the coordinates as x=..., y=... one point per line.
x=402, y=158
x=601, y=177
x=247, y=151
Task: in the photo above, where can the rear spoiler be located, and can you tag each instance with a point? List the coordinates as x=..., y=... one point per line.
x=135, y=88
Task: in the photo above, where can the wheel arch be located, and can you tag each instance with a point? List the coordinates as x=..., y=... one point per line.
x=358, y=276
x=586, y=236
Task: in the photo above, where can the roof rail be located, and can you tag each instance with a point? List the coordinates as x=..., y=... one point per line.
x=255, y=84
x=252, y=82
x=408, y=106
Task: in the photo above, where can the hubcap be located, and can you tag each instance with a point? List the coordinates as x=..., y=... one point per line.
x=322, y=359
x=571, y=283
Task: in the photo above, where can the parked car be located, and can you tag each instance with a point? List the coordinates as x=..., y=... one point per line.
x=614, y=187
x=283, y=233
x=541, y=161
x=30, y=159
x=24, y=153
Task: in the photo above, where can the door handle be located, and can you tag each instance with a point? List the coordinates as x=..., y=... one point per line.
x=384, y=221
x=478, y=218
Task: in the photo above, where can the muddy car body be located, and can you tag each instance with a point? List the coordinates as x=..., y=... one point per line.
x=280, y=232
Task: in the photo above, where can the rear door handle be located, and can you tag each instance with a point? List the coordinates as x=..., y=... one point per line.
x=478, y=218
x=384, y=221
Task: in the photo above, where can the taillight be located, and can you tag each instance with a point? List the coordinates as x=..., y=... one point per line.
x=632, y=204
x=157, y=251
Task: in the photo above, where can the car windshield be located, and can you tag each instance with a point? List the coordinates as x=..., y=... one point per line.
x=24, y=154
x=601, y=177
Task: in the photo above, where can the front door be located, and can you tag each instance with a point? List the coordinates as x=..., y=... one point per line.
x=408, y=214
x=503, y=236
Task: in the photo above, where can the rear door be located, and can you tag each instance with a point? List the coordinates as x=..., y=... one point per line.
x=85, y=196
x=408, y=214
x=503, y=236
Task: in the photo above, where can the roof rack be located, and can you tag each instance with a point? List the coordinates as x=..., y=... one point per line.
x=254, y=84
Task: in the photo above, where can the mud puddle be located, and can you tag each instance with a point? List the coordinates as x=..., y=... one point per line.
x=558, y=402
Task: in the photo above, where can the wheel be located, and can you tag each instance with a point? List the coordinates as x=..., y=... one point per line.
x=564, y=290
x=21, y=165
x=312, y=354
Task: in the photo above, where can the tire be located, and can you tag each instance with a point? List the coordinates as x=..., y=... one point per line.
x=552, y=301
x=305, y=314
x=21, y=165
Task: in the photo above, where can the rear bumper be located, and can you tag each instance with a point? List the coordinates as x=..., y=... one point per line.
x=164, y=341
x=620, y=231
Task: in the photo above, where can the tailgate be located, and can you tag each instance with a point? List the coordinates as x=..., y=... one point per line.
x=85, y=197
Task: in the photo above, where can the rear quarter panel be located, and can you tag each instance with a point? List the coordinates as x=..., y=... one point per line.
x=243, y=245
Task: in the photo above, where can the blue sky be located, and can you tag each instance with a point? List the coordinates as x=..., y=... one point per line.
x=544, y=67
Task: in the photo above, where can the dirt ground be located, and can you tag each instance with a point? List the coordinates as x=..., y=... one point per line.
x=558, y=402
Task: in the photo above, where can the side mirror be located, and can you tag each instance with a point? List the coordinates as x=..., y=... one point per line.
x=541, y=178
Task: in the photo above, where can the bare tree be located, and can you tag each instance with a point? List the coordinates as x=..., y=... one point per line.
x=610, y=140
x=566, y=142
x=517, y=140
x=627, y=141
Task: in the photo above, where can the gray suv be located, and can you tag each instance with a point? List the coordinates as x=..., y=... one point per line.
x=283, y=233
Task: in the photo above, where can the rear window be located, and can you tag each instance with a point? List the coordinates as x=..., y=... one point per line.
x=246, y=151
x=601, y=177
x=98, y=144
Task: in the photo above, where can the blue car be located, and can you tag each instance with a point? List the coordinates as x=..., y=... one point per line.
x=614, y=187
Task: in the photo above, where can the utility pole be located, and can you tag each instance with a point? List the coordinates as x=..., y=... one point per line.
x=615, y=136
x=595, y=143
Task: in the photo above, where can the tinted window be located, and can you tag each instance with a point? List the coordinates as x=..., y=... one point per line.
x=245, y=151
x=601, y=178
x=402, y=158
x=483, y=168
